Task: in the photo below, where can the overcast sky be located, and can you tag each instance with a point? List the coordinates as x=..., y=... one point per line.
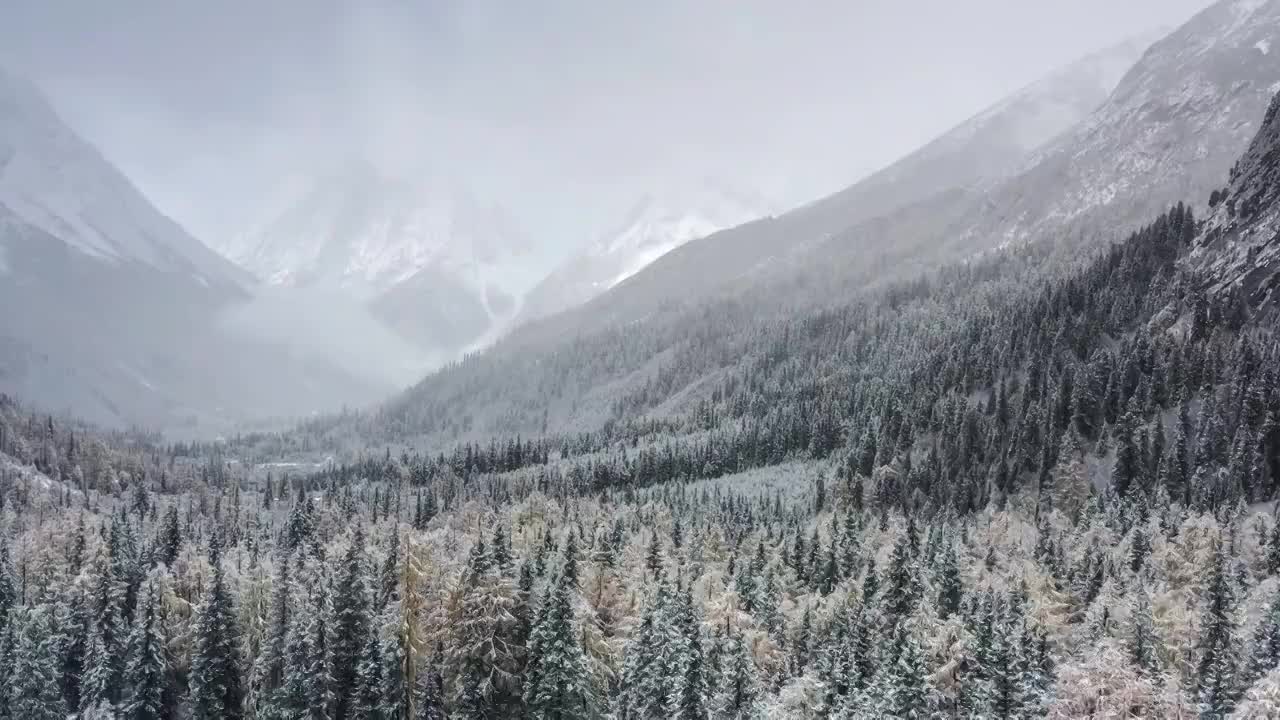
x=562, y=110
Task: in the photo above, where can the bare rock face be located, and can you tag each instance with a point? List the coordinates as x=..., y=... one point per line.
x=1238, y=250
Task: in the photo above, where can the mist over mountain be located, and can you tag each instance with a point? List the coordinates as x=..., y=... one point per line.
x=993, y=432
x=412, y=256
x=656, y=225
x=114, y=312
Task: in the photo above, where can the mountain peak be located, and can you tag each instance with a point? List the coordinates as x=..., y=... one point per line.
x=363, y=230
x=53, y=180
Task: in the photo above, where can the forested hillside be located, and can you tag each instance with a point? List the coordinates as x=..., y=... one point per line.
x=1011, y=488
x=655, y=346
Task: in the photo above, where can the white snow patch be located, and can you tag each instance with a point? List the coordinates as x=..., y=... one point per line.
x=1264, y=46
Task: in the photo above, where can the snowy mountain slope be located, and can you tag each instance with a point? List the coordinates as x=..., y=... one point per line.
x=1170, y=131
x=991, y=144
x=53, y=180
x=112, y=310
x=1238, y=250
x=938, y=181
x=654, y=227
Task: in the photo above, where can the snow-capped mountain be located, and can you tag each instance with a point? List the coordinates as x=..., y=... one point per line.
x=111, y=308
x=53, y=180
x=428, y=259
x=655, y=226
x=366, y=231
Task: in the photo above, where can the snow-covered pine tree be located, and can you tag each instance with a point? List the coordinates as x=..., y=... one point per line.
x=1264, y=654
x=32, y=689
x=146, y=673
x=1142, y=641
x=687, y=699
x=350, y=632
x=1218, y=665
x=269, y=666
x=558, y=685
x=216, y=687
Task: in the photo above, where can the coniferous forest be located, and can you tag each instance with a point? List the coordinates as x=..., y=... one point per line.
x=1006, y=489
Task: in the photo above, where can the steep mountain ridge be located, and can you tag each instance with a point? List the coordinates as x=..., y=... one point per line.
x=1238, y=251
x=1171, y=130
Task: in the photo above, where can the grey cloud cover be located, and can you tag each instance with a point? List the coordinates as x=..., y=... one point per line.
x=563, y=110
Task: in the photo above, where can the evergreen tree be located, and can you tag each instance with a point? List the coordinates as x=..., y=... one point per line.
x=1265, y=654
x=8, y=592
x=216, y=687
x=147, y=670
x=904, y=684
x=351, y=629
x=170, y=537
x=903, y=588
x=644, y=682
x=688, y=698
x=32, y=689
x=558, y=685
x=950, y=586
x=1143, y=642
x=1216, y=675
x=269, y=670
x=739, y=688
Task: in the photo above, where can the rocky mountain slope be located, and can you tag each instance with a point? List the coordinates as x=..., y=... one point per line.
x=1238, y=251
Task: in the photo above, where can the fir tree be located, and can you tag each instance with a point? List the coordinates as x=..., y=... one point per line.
x=147, y=670
x=1143, y=642
x=558, y=685
x=905, y=684
x=216, y=688
x=33, y=691
x=351, y=629
x=1265, y=652
x=688, y=699
x=1216, y=682
x=950, y=586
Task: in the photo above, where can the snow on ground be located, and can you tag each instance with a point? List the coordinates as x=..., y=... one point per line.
x=15, y=470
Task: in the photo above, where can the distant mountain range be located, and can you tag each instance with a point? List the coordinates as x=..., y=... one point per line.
x=1086, y=153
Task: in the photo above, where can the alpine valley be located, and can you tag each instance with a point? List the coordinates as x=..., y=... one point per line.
x=992, y=433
